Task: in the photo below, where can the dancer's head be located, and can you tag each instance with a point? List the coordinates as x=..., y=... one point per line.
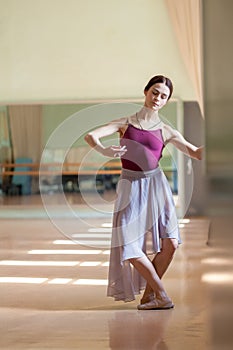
x=160, y=79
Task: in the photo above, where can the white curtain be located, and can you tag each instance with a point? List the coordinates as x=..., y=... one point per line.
x=26, y=131
x=26, y=135
x=186, y=18
x=5, y=142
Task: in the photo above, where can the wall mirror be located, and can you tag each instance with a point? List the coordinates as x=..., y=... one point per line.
x=62, y=127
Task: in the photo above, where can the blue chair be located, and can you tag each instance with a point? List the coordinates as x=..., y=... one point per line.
x=22, y=182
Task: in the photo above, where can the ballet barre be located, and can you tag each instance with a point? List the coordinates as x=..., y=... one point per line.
x=39, y=169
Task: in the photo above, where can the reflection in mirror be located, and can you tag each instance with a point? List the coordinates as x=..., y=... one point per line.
x=23, y=140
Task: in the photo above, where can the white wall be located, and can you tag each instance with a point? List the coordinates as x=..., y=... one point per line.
x=74, y=49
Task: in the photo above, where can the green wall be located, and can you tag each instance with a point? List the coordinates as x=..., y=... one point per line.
x=55, y=115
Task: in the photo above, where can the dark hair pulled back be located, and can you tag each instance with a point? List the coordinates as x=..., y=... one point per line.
x=160, y=79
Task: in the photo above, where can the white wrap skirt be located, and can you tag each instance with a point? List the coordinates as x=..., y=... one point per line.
x=144, y=213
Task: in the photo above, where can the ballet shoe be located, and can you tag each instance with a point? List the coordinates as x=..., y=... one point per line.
x=156, y=304
x=149, y=298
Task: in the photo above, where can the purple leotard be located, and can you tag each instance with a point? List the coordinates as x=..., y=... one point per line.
x=144, y=148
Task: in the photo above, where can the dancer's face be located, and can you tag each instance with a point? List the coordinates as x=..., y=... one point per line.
x=157, y=95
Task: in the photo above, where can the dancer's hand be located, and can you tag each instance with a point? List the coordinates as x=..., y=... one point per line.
x=114, y=151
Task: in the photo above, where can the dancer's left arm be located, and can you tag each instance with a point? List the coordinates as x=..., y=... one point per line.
x=177, y=139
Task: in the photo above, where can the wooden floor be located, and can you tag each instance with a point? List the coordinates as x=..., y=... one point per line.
x=53, y=274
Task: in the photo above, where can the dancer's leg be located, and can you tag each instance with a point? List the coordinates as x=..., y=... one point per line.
x=161, y=262
x=146, y=269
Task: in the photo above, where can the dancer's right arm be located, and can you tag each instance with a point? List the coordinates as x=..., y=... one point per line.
x=93, y=138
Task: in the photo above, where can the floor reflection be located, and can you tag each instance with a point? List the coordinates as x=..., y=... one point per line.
x=139, y=330
x=62, y=314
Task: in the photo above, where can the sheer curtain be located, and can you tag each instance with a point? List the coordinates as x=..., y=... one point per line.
x=26, y=131
x=5, y=141
x=26, y=135
x=186, y=17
